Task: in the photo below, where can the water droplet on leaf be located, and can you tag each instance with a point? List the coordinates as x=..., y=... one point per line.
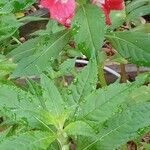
x=69, y=92
x=75, y=81
x=105, y=125
x=141, y=131
x=119, y=109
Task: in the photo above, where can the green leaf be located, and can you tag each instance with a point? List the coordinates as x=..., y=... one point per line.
x=140, y=94
x=5, y=7
x=146, y=146
x=79, y=128
x=4, y=133
x=102, y=108
x=51, y=27
x=122, y=128
x=6, y=66
x=143, y=78
x=31, y=140
x=101, y=105
x=47, y=50
x=8, y=6
x=8, y=26
x=28, y=19
x=25, y=50
x=142, y=11
x=132, y=45
x=135, y=4
x=67, y=67
x=117, y=19
x=35, y=89
x=83, y=84
x=52, y=97
x=16, y=98
x=91, y=22
x=142, y=28
x=18, y=105
x=137, y=8
x=21, y=106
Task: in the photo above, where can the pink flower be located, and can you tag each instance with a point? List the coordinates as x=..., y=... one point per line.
x=61, y=10
x=108, y=5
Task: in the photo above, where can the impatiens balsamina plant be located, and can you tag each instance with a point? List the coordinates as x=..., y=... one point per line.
x=82, y=116
x=59, y=106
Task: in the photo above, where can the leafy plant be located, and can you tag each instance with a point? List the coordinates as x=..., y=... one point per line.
x=90, y=117
x=8, y=6
x=62, y=106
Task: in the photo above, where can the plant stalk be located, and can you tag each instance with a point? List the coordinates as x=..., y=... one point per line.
x=100, y=68
x=123, y=73
x=16, y=40
x=124, y=147
x=101, y=75
x=63, y=141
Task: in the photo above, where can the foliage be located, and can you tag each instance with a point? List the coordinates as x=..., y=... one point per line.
x=53, y=111
x=8, y=6
x=48, y=115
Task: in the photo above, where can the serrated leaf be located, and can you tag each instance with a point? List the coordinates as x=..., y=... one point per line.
x=133, y=46
x=91, y=22
x=67, y=67
x=83, y=84
x=143, y=78
x=137, y=8
x=31, y=140
x=16, y=97
x=21, y=106
x=52, y=97
x=122, y=128
x=140, y=94
x=5, y=7
x=8, y=6
x=25, y=50
x=36, y=90
x=49, y=49
x=135, y=4
x=102, y=104
x=79, y=128
x=8, y=26
x=100, y=108
x=142, y=11
x=18, y=105
x=142, y=28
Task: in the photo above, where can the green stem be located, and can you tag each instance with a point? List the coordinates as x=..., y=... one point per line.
x=16, y=40
x=101, y=75
x=100, y=68
x=64, y=143
x=124, y=147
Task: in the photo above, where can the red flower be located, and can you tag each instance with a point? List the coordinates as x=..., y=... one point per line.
x=108, y=5
x=61, y=10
